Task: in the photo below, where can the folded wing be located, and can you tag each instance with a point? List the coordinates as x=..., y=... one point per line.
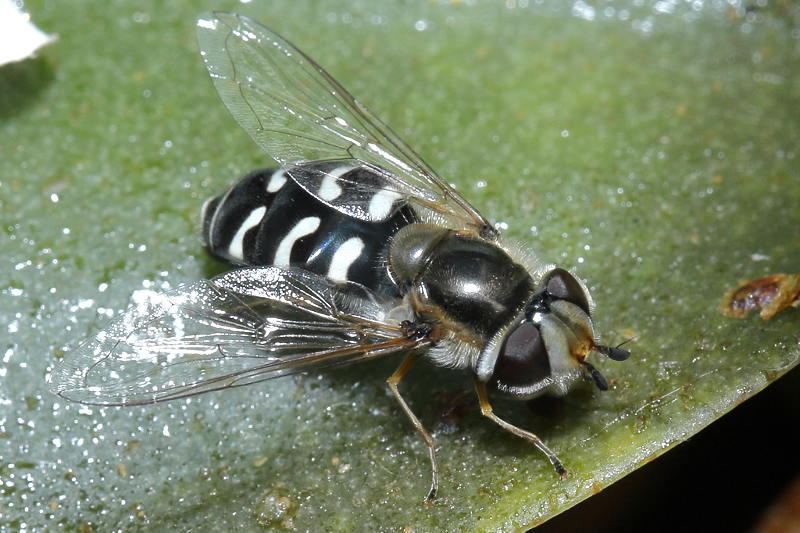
x=243, y=327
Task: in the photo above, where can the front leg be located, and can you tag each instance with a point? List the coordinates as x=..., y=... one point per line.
x=486, y=410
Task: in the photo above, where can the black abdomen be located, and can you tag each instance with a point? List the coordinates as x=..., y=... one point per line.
x=268, y=219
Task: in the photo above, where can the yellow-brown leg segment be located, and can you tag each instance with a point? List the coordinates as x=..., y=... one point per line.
x=486, y=410
x=393, y=380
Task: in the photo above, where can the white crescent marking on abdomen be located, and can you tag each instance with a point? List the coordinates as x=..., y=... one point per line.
x=235, y=249
x=277, y=181
x=329, y=188
x=380, y=204
x=344, y=257
x=306, y=226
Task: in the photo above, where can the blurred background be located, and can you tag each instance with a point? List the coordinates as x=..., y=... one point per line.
x=651, y=146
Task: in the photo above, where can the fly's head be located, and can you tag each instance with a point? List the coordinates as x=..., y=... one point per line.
x=544, y=349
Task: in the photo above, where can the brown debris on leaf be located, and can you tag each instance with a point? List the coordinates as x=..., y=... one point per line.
x=771, y=294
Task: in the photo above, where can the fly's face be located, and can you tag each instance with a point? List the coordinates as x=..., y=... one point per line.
x=544, y=349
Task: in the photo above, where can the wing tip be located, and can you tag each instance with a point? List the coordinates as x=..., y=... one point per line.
x=66, y=383
x=206, y=21
x=209, y=20
x=97, y=399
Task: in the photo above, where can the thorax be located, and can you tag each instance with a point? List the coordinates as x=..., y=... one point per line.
x=469, y=285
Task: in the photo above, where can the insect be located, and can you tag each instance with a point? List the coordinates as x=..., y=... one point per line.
x=353, y=249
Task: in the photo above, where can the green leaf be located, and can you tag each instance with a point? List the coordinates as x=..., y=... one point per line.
x=655, y=153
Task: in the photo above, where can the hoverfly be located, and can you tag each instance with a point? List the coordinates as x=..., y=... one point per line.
x=353, y=249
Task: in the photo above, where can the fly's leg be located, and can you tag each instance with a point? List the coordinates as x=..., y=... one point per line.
x=393, y=380
x=486, y=410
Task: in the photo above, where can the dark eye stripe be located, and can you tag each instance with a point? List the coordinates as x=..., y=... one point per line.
x=563, y=286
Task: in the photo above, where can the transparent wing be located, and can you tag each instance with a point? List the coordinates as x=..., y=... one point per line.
x=243, y=327
x=298, y=113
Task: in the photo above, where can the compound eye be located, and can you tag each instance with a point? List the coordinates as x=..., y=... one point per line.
x=523, y=357
x=562, y=285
